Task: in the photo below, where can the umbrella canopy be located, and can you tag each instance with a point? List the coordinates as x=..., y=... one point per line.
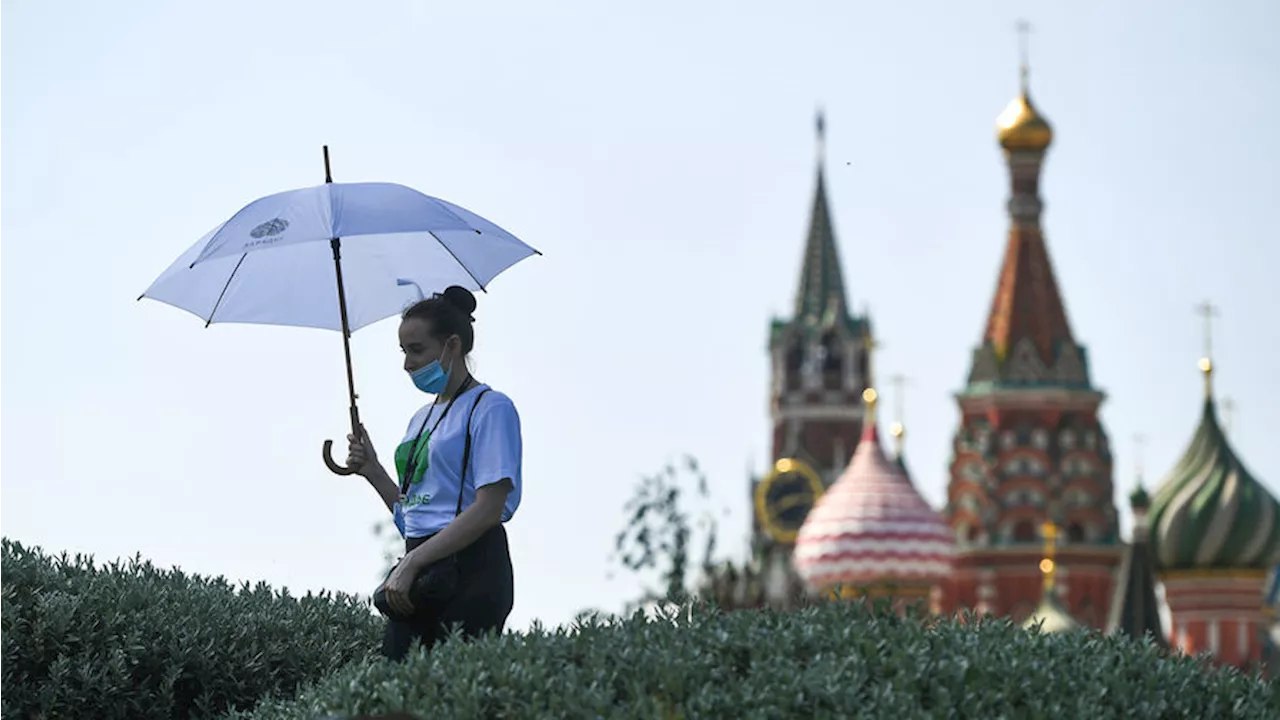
x=282, y=260
x=273, y=261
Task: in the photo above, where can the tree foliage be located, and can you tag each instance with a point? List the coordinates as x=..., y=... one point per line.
x=659, y=533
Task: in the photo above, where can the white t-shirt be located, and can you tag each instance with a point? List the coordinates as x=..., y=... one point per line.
x=432, y=497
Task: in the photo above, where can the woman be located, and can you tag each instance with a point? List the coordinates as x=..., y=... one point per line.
x=444, y=516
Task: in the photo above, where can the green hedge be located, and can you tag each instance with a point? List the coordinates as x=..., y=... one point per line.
x=829, y=661
x=127, y=640
x=130, y=641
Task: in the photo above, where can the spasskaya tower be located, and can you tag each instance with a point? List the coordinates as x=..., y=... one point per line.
x=819, y=368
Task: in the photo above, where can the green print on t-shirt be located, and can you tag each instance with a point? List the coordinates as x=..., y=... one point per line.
x=420, y=464
x=416, y=500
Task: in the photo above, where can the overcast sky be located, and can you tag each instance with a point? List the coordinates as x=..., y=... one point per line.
x=661, y=156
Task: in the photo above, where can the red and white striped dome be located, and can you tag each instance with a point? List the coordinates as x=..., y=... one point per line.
x=872, y=528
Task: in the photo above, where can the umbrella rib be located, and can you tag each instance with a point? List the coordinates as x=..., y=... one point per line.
x=455, y=258
x=224, y=290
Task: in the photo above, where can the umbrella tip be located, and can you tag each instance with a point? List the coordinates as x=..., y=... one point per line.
x=140, y=297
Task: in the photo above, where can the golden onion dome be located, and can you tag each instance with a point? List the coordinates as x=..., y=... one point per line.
x=1021, y=127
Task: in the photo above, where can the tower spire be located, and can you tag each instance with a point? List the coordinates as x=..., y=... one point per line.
x=898, y=430
x=1024, y=64
x=870, y=396
x=1139, y=442
x=1139, y=499
x=1028, y=305
x=1134, y=610
x=872, y=345
x=821, y=290
x=820, y=125
x=870, y=399
x=1208, y=311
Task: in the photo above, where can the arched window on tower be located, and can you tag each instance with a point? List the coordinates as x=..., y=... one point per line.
x=1024, y=532
x=1075, y=533
x=832, y=362
x=794, y=363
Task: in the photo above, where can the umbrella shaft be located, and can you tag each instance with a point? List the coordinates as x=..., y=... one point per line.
x=336, y=244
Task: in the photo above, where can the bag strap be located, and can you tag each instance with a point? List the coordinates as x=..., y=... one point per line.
x=466, y=453
x=411, y=465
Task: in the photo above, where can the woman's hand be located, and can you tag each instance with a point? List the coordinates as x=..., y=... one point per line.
x=361, y=456
x=398, y=584
x=363, y=460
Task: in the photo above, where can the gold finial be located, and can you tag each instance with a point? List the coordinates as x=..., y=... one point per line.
x=1047, y=565
x=1207, y=311
x=897, y=429
x=869, y=396
x=1020, y=126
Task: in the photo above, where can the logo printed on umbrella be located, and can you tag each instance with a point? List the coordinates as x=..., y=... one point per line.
x=269, y=228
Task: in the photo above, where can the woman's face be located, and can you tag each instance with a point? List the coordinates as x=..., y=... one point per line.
x=420, y=348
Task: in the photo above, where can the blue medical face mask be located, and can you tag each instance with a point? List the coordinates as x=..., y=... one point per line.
x=431, y=378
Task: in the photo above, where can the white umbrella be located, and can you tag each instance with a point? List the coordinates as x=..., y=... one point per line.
x=337, y=256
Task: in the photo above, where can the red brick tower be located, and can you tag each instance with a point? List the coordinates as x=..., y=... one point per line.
x=819, y=370
x=1030, y=449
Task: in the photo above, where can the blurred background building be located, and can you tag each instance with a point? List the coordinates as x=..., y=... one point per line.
x=1030, y=522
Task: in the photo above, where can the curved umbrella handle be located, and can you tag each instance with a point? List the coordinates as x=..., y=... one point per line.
x=334, y=467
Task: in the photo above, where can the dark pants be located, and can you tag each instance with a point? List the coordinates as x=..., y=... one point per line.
x=486, y=590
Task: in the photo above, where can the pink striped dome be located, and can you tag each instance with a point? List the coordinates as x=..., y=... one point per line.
x=871, y=528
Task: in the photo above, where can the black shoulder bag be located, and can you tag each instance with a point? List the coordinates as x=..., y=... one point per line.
x=438, y=581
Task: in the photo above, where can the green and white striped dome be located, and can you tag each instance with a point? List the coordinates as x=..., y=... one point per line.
x=1210, y=513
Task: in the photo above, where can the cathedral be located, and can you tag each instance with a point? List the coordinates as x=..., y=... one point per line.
x=1029, y=529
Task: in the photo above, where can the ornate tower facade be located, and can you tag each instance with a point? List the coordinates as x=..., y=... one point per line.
x=819, y=370
x=1030, y=451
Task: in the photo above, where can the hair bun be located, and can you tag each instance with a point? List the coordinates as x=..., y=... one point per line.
x=462, y=299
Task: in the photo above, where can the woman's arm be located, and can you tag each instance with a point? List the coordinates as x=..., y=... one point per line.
x=382, y=482
x=364, y=459
x=465, y=529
